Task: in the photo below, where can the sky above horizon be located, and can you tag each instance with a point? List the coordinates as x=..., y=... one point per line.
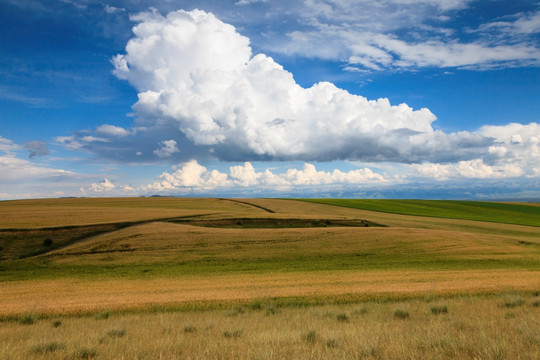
x=432, y=99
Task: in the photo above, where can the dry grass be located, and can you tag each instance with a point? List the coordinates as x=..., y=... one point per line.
x=82, y=296
x=473, y=328
x=173, y=242
x=29, y=214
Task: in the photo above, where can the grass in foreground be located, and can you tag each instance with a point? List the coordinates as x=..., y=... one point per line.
x=508, y=213
x=478, y=327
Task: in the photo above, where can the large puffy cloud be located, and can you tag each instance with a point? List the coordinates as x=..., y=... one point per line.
x=198, y=73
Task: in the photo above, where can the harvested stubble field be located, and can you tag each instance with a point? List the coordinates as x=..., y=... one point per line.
x=268, y=278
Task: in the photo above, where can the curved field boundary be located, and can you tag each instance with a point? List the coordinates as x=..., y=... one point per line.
x=277, y=223
x=506, y=213
x=24, y=243
x=250, y=204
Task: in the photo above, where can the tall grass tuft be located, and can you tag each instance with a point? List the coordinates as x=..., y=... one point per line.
x=310, y=337
x=103, y=316
x=514, y=302
x=362, y=311
x=331, y=343
x=256, y=305
x=342, y=318
x=401, y=314
x=85, y=354
x=188, y=329
x=232, y=334
x=436, y=310
x=116, y=333
x=27, y=319
x=47, y=348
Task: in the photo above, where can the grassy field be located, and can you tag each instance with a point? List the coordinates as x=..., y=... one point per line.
x=182, y=278
x=464, y=327
x=508, y=213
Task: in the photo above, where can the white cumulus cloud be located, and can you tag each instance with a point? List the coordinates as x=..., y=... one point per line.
x=194, y=176
x=112, y=130
x=196, y=72
x=103, y=186
x=472, y=169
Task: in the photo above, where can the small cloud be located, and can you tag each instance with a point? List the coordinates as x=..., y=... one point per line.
x=91, y=138
x=75, y=3
x=15, y=170
x=37, y=148
x=168, y=147
x=112, y=130
x=7, y=145
x=70, y=142
x=104, y=185
x=249, y=2
x=111, y=9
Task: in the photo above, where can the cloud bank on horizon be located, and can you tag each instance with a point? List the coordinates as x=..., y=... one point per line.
x=205, y=95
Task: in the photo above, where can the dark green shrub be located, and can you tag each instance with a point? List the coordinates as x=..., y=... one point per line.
x=342, y=318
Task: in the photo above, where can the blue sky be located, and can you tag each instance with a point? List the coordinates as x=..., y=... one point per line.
x=372, y=99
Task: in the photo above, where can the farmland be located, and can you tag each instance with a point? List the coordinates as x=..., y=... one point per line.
x=242, y=267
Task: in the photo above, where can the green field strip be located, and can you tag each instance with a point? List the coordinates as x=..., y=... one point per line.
x=506, y=213
x=34, y=269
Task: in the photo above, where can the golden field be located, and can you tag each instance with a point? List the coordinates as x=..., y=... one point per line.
x=478, y=327
x=158, y=266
